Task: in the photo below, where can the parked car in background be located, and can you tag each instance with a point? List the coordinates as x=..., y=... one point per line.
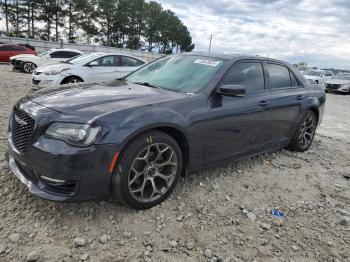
x=88, y=67
x=27, y=64
x=339, y=83
x=9, y=50
x=137, y=135
x=318, y=76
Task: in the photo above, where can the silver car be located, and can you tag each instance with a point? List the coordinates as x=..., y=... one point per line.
x=339, y=83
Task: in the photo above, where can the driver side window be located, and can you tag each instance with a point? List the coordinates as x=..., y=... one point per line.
x=248, y=74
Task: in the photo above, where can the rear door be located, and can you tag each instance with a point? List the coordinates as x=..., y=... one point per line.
x=127, y=65
x=239, y=125
x=287, y=95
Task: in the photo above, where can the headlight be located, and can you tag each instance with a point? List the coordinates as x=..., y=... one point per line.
x=75, y=134
x=55, y=72
x=313, y=82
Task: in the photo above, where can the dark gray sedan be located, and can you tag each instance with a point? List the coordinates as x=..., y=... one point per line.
x=134, y=137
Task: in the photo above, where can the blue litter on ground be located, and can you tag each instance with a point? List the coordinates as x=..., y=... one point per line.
x=277, y=213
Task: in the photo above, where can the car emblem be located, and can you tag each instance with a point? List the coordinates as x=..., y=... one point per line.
x=20, y=121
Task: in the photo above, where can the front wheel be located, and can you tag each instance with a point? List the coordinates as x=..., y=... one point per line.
x=148, y=170
x=28, y=67
x=305, y=133
x=71, y=80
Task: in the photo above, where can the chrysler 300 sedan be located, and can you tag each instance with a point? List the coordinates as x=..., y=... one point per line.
x=134, y=137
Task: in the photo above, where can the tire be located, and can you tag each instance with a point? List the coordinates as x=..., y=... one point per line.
x=71, y=80
x=148, y=170
x=305, y=133
x=28, y=67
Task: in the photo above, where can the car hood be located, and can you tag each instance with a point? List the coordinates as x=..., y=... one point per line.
x=51, y=67
x=22, y=56
x=338, y=81
x=94, y=99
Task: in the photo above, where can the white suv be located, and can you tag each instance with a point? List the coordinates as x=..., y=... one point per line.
x=318, y=76
x=88, y=67
x=27, y=64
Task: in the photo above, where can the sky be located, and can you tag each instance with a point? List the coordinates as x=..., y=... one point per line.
x=315, y=31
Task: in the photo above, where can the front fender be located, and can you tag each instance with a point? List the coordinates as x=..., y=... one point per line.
x=124, y=126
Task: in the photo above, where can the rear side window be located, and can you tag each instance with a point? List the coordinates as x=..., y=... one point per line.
x=12, y=48
x=129, y=62
x=248, y=74
x=279, y=76
x=63, y=54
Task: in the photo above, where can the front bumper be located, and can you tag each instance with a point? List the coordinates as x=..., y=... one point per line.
x=42, y=80
x=54, y=170
x=339, y=90
x=78, y=175
x=16, y=64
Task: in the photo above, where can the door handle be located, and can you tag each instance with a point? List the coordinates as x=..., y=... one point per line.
x=264, y=103
x=300, y=97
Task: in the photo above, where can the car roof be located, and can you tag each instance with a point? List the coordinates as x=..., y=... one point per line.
x=235, y=56
x=105, y=54
x=65, y=49
x=8, y=44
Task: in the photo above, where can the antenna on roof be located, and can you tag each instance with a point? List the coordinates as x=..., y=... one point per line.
x=211, y=38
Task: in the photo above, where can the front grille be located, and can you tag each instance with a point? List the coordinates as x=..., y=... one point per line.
x=35, y=82
x=21, y=129
x=333, y=86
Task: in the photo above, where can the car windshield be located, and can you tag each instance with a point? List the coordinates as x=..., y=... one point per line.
x=83, y=59
x=342, y=77
x=186, y=74
x=312, y=73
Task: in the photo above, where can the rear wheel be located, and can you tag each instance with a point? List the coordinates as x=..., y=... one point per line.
x=28, y=67
x=305, y=133
x=148, y=170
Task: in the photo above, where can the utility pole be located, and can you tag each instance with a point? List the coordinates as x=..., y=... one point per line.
x=211, y=39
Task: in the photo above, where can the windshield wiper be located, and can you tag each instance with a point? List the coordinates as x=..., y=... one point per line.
x=146, y=84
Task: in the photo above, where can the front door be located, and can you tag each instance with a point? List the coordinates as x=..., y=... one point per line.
x=106, y=68
x=240, y=125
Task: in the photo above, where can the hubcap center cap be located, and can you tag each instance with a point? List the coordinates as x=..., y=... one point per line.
x=151, y=170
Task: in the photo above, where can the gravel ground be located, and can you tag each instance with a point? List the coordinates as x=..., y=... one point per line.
x=221, y=214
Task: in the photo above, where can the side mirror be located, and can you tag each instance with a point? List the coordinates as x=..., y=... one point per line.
x=93, y=63
x=232, y=90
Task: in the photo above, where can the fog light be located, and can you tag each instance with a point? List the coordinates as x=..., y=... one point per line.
x=49, y=179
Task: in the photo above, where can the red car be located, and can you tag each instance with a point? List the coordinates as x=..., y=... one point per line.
x=8, y=50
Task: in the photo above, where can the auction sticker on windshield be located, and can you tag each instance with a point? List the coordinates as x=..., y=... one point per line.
x=207, y=62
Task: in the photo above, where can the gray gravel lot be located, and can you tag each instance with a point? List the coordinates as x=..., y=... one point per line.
x=222, y=214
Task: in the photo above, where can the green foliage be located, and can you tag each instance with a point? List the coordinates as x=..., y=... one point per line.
x=134, y=24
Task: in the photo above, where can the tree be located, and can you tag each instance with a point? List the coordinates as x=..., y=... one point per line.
x=106, y=12
x=86, y=15
x=122, y=23
x=153, y=12
x=5, y=9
